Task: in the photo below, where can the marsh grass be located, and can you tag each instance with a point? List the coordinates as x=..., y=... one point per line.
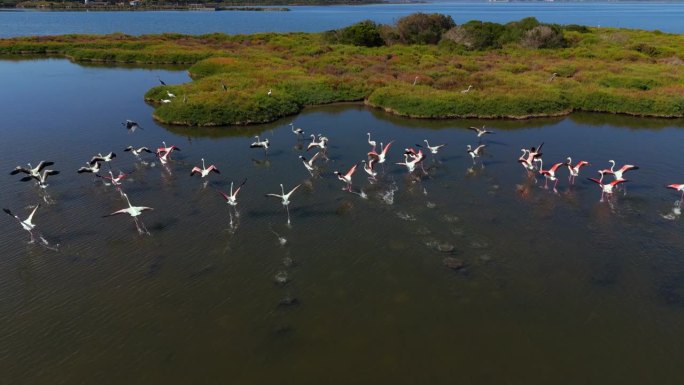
x=603, y=70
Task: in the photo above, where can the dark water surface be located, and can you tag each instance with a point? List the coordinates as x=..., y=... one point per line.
x=664, y=16
x=557, y=288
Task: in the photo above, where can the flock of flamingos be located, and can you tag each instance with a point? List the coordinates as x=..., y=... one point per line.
x=413, y=158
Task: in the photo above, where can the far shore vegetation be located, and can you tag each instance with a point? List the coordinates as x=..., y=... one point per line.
x=151, y=5
x=419, y=67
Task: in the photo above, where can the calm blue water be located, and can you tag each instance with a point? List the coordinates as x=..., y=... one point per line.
x=644, y=15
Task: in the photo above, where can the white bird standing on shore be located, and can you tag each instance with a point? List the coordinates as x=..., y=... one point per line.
x=470, y=87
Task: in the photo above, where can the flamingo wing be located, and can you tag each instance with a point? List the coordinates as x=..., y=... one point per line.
x=350, y=172
x=598, y=182
x=617, y=182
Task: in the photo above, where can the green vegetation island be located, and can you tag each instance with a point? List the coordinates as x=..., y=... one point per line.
x=423, y=66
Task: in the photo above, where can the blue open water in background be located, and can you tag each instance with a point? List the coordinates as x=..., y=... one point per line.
x=667, y=17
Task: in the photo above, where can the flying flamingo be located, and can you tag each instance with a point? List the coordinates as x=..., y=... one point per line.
x=103, y=158
x=372, y=143
x=574, y=171
x=607, y=189
x=231, y=199
x=166, y=148
x=137, y=151
x=133, y=211
x=297, y=131
x=260, y=143
x=131, y=125
x=322, y=142
x=523, y=160
x=549, y=174
x=481, y=131
x=91, y=168
x=346, y=178
x=532, y=154
x=116, y=181
x=204, y=171
x=410, y=164
x=28, y=224
x=32, y=171
x=382, y=156
x=476, y=152
x=433, y=149
x=308, y=164
x=678, y=187
x=618, y=173
x=368, y=168
x=41, y=178
x=285, y=198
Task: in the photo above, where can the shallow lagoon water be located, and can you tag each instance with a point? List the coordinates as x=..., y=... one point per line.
x=650, y=15
x=557, y=288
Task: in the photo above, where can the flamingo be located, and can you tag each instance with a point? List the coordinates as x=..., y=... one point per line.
x=553, y=76
x=607, y=189
x=91, y=168
x=131, y=125
x=410, y=164
x=137, y=151
x=322, y=142
x=297, y=131
x=270, y=92
x=260, y=143
x=372, y=143
x=481, y=131
x=32, y=171
x=523, y=160
x=476, y=152
x=470, y=87
x=170, y=94
x=116, y=181
x=368, y=168
x=166, y=148
x=27, y=224
x=532, y=154
x=204, y=171
x=549, y=174
x=285, y=199
x=164, y=153
x=165, y=101
x=41, y=178
x=618, y=173
x=231, y=198
x=382, y=156
x=678, y=187
x=346, y=178
x=415, y=80
x=133, y=211
x=574, y=171
x=308, y=164
x=433, y=149
x=102, y=158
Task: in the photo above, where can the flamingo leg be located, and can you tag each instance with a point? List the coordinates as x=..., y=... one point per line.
x=682, y=198
x=287, y=208
x=555, y=184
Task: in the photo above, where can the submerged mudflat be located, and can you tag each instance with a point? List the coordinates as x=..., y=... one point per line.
x=595, y=69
